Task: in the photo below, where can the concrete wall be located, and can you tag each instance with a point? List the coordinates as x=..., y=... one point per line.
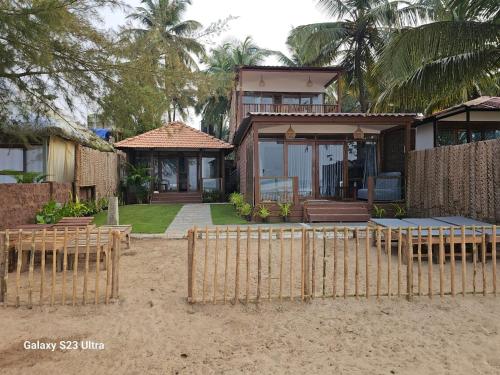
x=20, y=202
x=424, y=137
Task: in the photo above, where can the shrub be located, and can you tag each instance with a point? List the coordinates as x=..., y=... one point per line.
x=211, y=196
x=263, y=212
x=285, y=209
x=379, y=211
x=245, y=209
x=399, y=211
x=236, y=199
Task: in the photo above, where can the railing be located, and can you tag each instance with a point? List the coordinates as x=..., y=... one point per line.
x=290, y=108
x=278, y=189
x=246, y=264
x=211, y=184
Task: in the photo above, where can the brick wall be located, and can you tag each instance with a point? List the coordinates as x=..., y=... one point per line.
x=20, y=202
x=241, y=156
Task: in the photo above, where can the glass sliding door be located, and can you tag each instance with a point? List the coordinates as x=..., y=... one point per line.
x=330, y=170
x=188, y=174
x=361, y=163
x=300, y=159
x=169, y=174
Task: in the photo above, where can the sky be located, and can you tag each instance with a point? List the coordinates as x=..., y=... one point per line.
x=268, y=22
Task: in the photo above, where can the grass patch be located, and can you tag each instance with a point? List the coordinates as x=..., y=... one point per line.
x=225, y=214
x=145, y=218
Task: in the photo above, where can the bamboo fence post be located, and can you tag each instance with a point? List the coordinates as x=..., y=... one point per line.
x=97, y=264
x=31, y=270
x=205, y=266
x=464, y=260
x=409, y=272
x=483, y=259
x=19, y=265
x=367, y=262
x=292, y=236
x=237, y=275
x=388, y=246
x=452, y=261
x=259, y=263
x=108, y=272
x=247, y=286
x=302, y=264
x=3, y=255
x=65, y=265
x=400, y=256
x=346, y=261
x=226, y=264
x=441, y=262
x=430, y=259
x=307, y=268
x=493, y=257
x=419, y=260
x=216, y=263
x=190, y=265
x=54, y=269
x=356, y=270
x=115, y=291
x=313, y=265
x=269, y=263
x=5, y=277
x=379, y=255
x=75, y=266
x=42, y=265
x=282, y=251
x=87, y=256
x=324, y=262
x=474, y=260
x=193, y=266
x=335, y=261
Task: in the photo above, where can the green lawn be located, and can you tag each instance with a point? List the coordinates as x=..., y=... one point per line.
x=145, y=218
x=225, y=214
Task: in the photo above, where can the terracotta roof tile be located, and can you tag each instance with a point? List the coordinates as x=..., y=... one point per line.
x=173, y=135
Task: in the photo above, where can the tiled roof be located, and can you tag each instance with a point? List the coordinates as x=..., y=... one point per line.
x=174, y=135
x=483, y=102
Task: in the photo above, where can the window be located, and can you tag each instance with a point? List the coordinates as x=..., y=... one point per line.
x=20, y=159
x=210, y=173
x=271, y=158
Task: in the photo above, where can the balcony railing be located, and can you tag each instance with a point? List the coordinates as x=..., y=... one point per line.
x=290, y=108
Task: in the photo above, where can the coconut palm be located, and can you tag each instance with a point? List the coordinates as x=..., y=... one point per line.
x=445, y=62
x=354, y=40
x=221, y=64
x=165, y=34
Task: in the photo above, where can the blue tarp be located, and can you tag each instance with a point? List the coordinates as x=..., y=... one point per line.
x=102, y=133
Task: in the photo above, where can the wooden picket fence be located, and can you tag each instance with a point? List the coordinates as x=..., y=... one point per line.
x=24, y=255
x=255, y=264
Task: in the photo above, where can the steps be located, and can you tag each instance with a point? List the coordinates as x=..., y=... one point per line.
x=333, y=211
x=175, y=197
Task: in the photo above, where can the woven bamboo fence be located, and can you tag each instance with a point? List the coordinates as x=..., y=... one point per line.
x=59, y=267
x=255, y=264
x=455, y=180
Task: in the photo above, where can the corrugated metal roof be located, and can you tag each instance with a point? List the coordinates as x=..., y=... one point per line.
x=174, y=135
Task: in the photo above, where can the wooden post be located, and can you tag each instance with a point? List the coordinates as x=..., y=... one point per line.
x=430, y=260
x=388, y=245
x=237, y=275
x=247, y=285
x=282, y=253
x=335, y=261
x=474, y=260
x=115, y=286
x=65, y=265
x=441, y=262
x=4, y=255
x=75, y=266
x=307, y=290
x=190, y=264
x=226, y=265
x=206, y=266
x=87, y=256
x=371, y=188
x=31, y=270
x=379, y=255
x=259, y=263
x=494, y=257
x=356, y=270
x=19, y=265
x=452, y=260
x=313, y=265
x=409, y=273
x=400, y=258
x=324, y=262
x=419, y=260
x=216, y=263
x=367, y=262
x=108, y=272
x=269, y=261
x=346, y=261
x=302, y=264
x=97, y=264
x=292, y=235
x=464, y=260
x=42, y=271
x=54, y=269
x=113, y=213
x=483, y=258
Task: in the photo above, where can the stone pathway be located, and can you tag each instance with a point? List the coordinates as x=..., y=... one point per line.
x=190, y=214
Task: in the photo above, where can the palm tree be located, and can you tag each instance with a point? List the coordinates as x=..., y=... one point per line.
x=174, y=40
x=445, y=62
x=353, y=41
x=222, y=62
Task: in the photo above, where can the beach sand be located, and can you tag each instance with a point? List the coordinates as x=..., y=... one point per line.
x=152, y=330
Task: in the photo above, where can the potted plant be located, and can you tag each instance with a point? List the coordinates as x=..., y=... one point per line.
x=264, y=213
x=379, y=212
x=399, y=211
x=285, y=209
x=236, y=199
x=246, y=211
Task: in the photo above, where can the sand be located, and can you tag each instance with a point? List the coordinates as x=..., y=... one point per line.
x=153, y=330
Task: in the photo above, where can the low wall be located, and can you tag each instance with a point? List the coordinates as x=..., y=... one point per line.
x=20, y=202
x=455, y=180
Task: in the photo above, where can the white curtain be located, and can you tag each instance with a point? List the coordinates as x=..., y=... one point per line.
x=61, y=160
x=331, y=168
x=300, y=165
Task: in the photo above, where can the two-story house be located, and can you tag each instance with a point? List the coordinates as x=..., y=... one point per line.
x=292, y=144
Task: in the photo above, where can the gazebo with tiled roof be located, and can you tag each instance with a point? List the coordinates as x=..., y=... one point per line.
x=184, y=161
